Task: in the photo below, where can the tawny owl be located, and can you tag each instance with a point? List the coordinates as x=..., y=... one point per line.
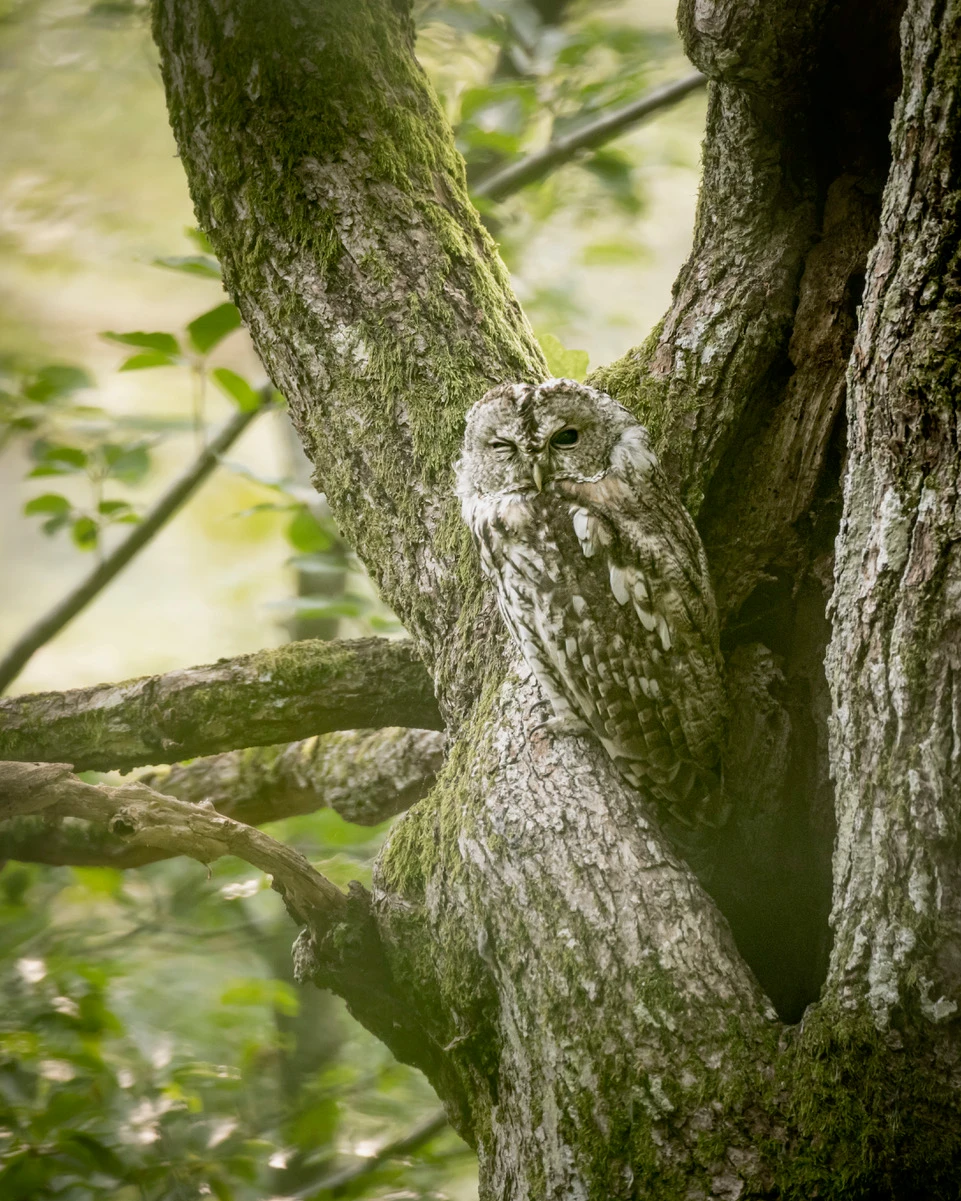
x=602, y=581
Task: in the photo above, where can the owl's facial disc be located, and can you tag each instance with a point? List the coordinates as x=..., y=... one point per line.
x=523, y=438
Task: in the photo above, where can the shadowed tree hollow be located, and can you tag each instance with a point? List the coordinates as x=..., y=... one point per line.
x=600, y=1020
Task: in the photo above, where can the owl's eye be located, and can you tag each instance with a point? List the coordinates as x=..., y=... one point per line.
x=565, y=437
x=501, y=444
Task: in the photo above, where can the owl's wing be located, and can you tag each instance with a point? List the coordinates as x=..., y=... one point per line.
x=657, y=571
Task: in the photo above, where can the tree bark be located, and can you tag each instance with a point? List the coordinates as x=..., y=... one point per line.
x=297, y=690
x=534, y=941
x=367, y=776
x=324, y=172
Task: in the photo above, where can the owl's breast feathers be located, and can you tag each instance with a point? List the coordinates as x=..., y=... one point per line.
x=607, y=595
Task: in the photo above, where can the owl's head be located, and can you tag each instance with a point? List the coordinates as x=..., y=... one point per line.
x=526, y=437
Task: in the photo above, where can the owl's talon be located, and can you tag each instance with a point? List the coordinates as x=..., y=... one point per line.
x=567, y=725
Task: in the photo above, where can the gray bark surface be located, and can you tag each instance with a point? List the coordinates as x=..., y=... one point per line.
x=367, y=776
x=597, y=1022
x=894, y=655
x=372, y=291
x=295, y=691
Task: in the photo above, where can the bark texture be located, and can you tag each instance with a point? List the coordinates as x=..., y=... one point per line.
x=324, y=172
x=297, y=690
x=896, y=649
x=367, y=776
x=894, y=656
x=534, y=942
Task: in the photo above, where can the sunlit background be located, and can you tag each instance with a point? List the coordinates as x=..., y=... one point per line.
x=153, y=1044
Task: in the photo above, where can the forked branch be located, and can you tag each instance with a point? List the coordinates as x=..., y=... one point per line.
x=366, y=776
x=145, y=818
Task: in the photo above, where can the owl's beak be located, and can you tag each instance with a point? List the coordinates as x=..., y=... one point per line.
x=537, y=471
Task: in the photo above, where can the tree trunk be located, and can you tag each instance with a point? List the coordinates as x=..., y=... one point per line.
x=534, y=941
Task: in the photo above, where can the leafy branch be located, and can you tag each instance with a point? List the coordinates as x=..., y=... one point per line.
x=504, y=181
x=176, y=495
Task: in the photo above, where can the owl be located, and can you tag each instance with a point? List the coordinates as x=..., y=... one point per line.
x=602, y=581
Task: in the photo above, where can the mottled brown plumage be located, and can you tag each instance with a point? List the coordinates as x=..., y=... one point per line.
x=602, y=582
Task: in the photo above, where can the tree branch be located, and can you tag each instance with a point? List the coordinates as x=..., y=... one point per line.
x=144, y=818
x=337, y=1182
x=366, y=776
x=66, y=609
x=297, y=690
x=509, y=179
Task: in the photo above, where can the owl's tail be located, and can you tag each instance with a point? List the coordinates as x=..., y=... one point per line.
x=696, y=797
x=693, y=795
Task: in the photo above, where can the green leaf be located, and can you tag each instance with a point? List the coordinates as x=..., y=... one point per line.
x=51, y=469
x=314, y=1125
x=110, y=508
x=85, y=533
x=565, y=364
x=306, y=534
x=165, y=343
x=99, y=1154
x=384, y=625
x=60, y=460
x=210, y=328
x=127, y=463
x=220, y=1188
x=277, y=994
x=613, y=253
x=50, y=502
x=319, y=606
x=55, y=523
x=616, y=172
x=57, y=379
x=267, y=506
x=149, y=358
x=199, y=239
x=329, y=564
x=237, y=388
x=191, y=264
x=104, y=881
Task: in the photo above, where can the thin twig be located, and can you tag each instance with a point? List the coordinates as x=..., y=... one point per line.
x=507, y=180
x=75, y=601
x=334, y=1183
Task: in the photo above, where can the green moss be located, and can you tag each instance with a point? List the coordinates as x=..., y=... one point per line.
x=874, y=1114
x=629, y=380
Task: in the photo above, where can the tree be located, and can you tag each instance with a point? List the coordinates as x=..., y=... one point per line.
x=534, y=941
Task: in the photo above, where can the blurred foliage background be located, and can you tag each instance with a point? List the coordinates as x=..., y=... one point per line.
x=152, y=1042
